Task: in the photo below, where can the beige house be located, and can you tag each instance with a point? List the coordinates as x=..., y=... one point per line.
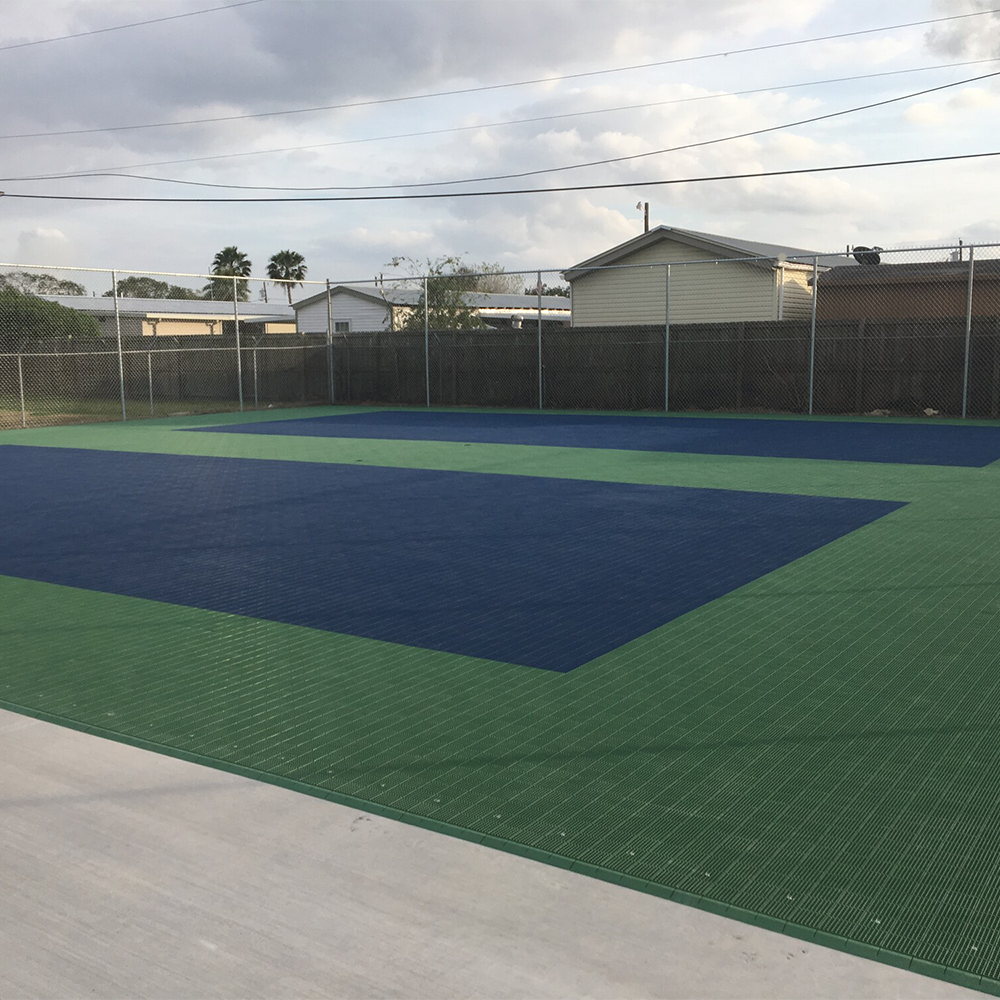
x=179, y=317
x=713, y=279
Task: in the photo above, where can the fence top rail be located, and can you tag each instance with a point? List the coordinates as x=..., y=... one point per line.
x=59, y=354
x=157, y=350
x=803, y=258
x=245, y=348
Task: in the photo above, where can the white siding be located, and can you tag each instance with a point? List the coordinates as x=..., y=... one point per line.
x=311, y=318
x=797, y=300
x=362, y=314
x=699, y=293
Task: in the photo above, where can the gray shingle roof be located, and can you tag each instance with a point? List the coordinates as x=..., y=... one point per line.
x=402, y=296
x=192, y=307
x=499, y=300
x=750, y=248
x=930, y=271
x=711, y=243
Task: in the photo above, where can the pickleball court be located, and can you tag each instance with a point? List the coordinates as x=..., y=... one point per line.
x=744, y=663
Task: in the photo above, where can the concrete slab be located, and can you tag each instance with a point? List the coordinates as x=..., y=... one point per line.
x=126, y=873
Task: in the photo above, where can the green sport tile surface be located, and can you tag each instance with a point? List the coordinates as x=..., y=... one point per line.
x=817, y=751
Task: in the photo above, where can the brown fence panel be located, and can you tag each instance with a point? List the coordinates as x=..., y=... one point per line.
x=891, y=367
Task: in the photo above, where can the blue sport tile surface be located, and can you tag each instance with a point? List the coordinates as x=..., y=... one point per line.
x=848, y=441
x=540, y=572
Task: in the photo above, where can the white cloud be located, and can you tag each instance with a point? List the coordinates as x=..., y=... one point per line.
x=874, y=51
x=967, y=37
x=564, y=143
x=44, y=246
x=485, y=142
x=925, y=113
x=407, y=239
x=982, y=231
x=974, y=98
x=802, y=148
x=274, y=62
x=948, y=109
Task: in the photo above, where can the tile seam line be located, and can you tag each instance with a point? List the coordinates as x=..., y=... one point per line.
x=798, y=417
x=235, y=614
x=617, y=452
x=680, y=896
x=497, y=472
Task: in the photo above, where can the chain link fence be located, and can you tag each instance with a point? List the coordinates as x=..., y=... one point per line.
x=79, y=346
x=896, y=336
x=890, y=332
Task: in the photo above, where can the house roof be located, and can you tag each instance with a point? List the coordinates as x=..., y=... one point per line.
x=710, y=243
x=928, y=271
x=501, y=300
x=174, y=307
x=401, y=296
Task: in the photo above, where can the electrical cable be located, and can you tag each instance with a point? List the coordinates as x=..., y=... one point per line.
x=99, y=171
x=489, y=194
x=571, y=166
x=504, y=86
x=133, y=24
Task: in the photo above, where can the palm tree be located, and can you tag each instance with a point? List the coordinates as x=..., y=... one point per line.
x=289, y=268
x=229, y=262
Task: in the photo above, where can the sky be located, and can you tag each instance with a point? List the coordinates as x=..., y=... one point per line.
x=282, y=55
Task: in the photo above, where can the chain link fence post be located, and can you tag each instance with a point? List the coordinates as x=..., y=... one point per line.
x=812, y=333
x=256, y=390
x=873, y=350
x=538, y=289
x=329, y=344
x=20, y=386
x=666, y=341
x=118, y=330
x=239, y=356
x=427, y=346
x=968, y=332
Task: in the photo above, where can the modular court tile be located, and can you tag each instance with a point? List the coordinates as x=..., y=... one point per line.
x=817, y=750
x=547, y=573
x=868, y=441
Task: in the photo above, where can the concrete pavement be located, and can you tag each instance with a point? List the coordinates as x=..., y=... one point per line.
x=129, y=874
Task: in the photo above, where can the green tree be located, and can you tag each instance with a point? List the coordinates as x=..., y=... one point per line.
x=289, y=268
x=24, y=316
x=142, y=287
x=487, y=277
x=560, y=290
x=39, y=283
x=449, y=281
x=228, y=263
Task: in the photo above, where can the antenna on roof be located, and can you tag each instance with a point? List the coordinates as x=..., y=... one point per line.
x=867, y=255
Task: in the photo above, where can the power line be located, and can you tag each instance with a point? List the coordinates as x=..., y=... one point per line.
x=102, y=171
x=490, y=194
x=501, y=86
x=120, y=27
x=571, y=166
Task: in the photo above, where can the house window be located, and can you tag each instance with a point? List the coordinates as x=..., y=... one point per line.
x=341, y=326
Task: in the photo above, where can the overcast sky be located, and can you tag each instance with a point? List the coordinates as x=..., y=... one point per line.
x=280, y=54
